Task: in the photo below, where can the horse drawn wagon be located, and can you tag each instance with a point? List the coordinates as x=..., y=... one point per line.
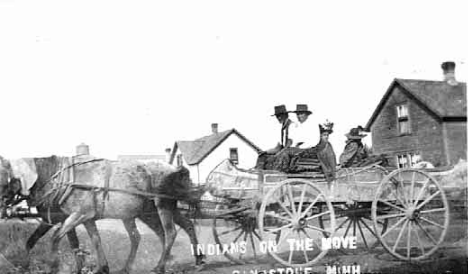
x=297, y=218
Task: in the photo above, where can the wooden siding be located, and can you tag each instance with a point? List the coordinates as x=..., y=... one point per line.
x=426, y=136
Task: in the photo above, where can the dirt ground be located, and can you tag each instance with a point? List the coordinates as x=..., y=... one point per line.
x=450, y=258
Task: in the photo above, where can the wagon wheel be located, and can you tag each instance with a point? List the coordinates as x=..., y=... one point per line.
x=417, y=210
x=237, y=226
x=292, y=207
x=355, y=220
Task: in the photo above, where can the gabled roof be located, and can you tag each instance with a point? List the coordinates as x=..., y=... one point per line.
x=195, y=151
x=438, y=97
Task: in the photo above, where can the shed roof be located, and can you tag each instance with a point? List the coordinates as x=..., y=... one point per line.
x=195, y=151
x=438, y=97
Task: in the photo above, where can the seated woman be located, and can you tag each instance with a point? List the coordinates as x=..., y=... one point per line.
x=355, y=154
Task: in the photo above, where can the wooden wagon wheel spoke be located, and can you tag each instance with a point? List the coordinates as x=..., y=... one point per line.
x=301, y=201
x=391, y=216
x=253, y=245
x=284, y=208
x=368, y=228
x=278, y=216
x=428, y=235
x=399, y=235
x=405, y=197
x=393, y=227
x=305, y=232
x=379, y=222
x=412, y=189
x=421, y=191
x=431, y=222
x=362, y=234
x=318, y=229
x=284, y=237
x=392, y=205
x=408, y=242
x=428, y=199
x=279, y=228
x=304, y=250
x=256, y=235
x=317, y=215
x=342, y=224
x=347, y=229
x=238, y=236
x=354, y=227
x=432, y=210
x=419, y=241
x=291, y=199
x=230, y=231
x=399, y=199
x=310, y=206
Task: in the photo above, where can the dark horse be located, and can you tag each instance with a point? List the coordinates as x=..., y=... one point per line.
x=88, y=205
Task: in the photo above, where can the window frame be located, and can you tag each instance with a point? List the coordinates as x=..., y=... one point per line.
x=236, y=153
x=400, y=119
x=409, y=158
x=180, y=161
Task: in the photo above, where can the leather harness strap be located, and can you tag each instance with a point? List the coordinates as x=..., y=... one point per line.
x=105, y=190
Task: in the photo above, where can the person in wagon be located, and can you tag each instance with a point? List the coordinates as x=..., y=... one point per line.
x=266, y=159
x=304, y=135
x=323, y=151
x=354, y=152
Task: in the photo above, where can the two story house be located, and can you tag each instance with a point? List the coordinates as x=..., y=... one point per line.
x=421, y=120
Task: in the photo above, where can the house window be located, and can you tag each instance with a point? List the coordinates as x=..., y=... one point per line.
x=233, y=155
x=403, y=119
x=179, y=160
x=408, y=159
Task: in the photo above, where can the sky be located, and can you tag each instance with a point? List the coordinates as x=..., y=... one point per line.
x=132, y=77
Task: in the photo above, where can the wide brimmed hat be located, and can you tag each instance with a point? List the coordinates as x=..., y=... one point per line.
x=326, y=127
x=354, y=133
x=281, y=109
x=302, y=108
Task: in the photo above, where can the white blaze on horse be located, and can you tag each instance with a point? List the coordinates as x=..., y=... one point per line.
x=93, y=189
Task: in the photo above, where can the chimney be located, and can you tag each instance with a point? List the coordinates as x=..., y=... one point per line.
x=214, y=128
x=449, y=72
x=168, y=154
x=82, y=149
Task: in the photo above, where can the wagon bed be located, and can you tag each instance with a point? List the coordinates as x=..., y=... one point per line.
x=405, y=210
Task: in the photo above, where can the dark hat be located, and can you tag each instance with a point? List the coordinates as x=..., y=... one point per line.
x=281, y=109
x=354, y=133
x=302, y=108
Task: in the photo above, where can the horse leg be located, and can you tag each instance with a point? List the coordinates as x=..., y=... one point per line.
x=93, y=233
x=134, y=235
x=75, y=246
x=40, y=231
x=68, y=225
x=165, y=210
x=187, y=225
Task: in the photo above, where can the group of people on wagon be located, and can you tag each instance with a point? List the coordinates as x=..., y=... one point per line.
x=301, y=139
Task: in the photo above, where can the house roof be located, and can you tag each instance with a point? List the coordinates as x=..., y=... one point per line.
x=438, y=97
x=195, y=151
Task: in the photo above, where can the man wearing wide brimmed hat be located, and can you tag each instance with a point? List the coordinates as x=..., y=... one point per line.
x=304, y=132
x=354, y=151
x=266, y=159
